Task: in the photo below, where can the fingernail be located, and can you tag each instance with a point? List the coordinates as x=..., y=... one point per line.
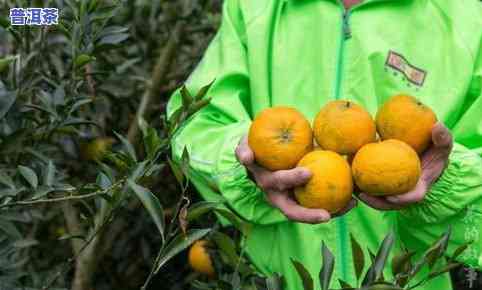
x=323, y=218
x=393, y=199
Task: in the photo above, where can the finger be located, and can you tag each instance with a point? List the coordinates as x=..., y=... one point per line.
x=244, y=153
x=296, y=212
x=377, y=202
x=436, y=158
x=442, y=138
x=353, y=203
x=408, y=198
x=413, y=196
x=282, y=180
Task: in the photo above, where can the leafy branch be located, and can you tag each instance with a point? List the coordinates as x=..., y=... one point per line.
x=403, y=269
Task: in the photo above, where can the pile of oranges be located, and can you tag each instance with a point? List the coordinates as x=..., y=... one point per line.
x=346, y=147
x=380, y=156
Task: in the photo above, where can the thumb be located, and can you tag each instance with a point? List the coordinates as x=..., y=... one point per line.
x=441, y=137
x=244, y=154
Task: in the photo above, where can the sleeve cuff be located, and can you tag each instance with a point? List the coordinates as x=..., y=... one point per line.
x=459, y=186
x=242, y=194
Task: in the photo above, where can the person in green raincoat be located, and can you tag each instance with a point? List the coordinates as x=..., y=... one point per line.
x=304, y=53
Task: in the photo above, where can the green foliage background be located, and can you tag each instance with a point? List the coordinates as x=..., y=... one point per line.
x=89, y=198
x=63, y=91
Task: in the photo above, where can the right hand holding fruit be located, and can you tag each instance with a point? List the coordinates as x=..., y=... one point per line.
x=278, y=186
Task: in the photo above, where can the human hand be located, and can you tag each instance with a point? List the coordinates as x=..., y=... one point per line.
x=278, y=186
x=434, y=161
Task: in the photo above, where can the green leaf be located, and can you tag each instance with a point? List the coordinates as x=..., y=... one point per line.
x=376, y=269
x=12, y=191
x=128, y=146
x=5, y=62
x=114, y=29
x=227, y=246
x=274, y=282
x=401, y=263
x=59, y=96
x=382, y=255
x=44, y=109
x=151, y=203
x=344, y=285
x=203, y=207
x=29, y=175
x=14, y=141
x=78, y=104
x=4, y=22
x=304, y=275
x=70, y=237
x=103, y=180
x=382, y=287
x=129, y=63
x=42, y=191
x=177, y=172
x=432, y=254
x=152, y=142
x=6, y=180
x=200, y=208
x=139, y=170
x=328, y=266
x=7, y=99
x=203, y=91
x=25, y=243
x=460, y=250
x=113, y=39
x=82, y=60
x=437, y=250
x=141, y=122
x=49, y=174
x=10, y=229
x=185, y=161
x=186, y=97
x=174, y=120
x=104, y=12
x=178, y=244
x=237, y=222
x=92, y=5
x=444, y=269
x=198, y=106
x=73, y=121
x=358, y=257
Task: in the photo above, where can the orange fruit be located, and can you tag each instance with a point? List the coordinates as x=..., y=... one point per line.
x=344, y=127
x=330, y=186
x=96, y=149
x=405, y=118
x=386, y=168
x=280, y=137
x=199, y=258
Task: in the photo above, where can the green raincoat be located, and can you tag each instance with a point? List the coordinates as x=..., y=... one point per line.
x=304, y=53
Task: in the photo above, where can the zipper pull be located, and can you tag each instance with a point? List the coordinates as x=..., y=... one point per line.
x=346, y=24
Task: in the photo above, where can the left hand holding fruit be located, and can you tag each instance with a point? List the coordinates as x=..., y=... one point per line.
x=434, y=161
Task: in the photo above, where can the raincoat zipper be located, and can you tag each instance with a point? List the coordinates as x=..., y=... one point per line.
x=345, y=34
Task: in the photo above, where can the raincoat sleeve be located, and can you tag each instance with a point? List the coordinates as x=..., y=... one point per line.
x=456, y=198
x=213, y=133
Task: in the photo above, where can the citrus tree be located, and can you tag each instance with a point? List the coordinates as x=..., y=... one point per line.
x=85, y=175
x=89, y=198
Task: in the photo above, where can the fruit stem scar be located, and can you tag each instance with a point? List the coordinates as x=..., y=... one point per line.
x=285, y=135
